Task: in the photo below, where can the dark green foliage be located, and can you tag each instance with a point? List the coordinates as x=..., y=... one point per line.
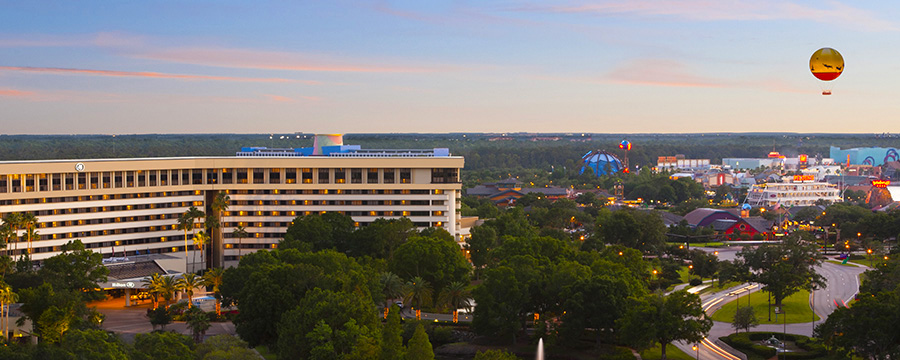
x=224, y=347
x=495, y=355
x=695, y=282
x=268, y=284
x=786, y=268
x=198, y=321
x=159, y=317
x=392, y=336
x=161, y=345
x=76, y=269
x=436, y=259
x=93, y=345
x=419, y=347
x=664, y=319
x=319, y=232
x=322, y=319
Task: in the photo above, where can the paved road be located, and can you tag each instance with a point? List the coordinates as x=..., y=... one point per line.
x=842, y=284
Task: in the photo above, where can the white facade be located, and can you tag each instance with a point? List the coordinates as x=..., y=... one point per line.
x=791, y=194
x=131, y=206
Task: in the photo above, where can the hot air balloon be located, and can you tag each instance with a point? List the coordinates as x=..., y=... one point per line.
x=826, y=64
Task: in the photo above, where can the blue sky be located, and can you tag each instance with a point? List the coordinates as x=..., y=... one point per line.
x=418, y=66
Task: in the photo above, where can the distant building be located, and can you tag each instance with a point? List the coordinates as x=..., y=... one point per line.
x=678, y=162
x=506, y=192
x=874, y=156
x=802, y=192
x=728, y=224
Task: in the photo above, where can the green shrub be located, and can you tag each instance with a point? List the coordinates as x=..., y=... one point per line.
x=696, y=282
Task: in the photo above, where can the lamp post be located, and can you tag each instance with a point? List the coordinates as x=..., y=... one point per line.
x=696, y=348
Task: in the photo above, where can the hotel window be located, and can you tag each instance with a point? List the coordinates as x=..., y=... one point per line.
x=372, y=176
x=340, y=176
x=141, y=176
x=56, y=181
x=42, y=182
x=16, y=183
x=197, y=176
x=70, y=182
x=185, y=177
x=290, y=176
x=212, y=176
x=3, y=183
x=259, y=176
x=95, y=180
x=306, y=176
x=405, y=176
x=29, y=182
x=117, y=179
x=153, y=174
x=323, y=176
x=227, y=176
x=129, y=178
x=356, y=176
x=107, y=180
x=241, y=176
x=389, y=176
x=274, y=176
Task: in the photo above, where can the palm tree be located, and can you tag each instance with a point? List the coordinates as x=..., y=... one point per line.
x=151, y=283
x=456, y=296
x=240, y=233
x=187, y=283
x=14, y=221
x=200, y=239
x=218, y=206
x=7, y=298
x=418, y=291
x=166, y=288
x=392, y=288
x=7, y=234
x=185, y=223
x=29, y=221
x=194, y=214
x=213, y=279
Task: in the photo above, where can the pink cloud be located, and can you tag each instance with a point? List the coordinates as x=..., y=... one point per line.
x=279, y=98
x=657, y=72
x=144, y=74
x=715, y=10
x=16, y=93
x=268, y=60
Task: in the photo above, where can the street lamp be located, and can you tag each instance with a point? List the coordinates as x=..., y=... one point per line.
x=697, y=349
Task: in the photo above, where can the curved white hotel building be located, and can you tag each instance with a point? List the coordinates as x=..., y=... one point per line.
x=796, y=193
x=131, y=206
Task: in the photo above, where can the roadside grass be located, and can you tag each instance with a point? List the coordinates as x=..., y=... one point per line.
x=875, y=261
x=266, y=354
x=839, y=263
x=796, y=306
x=672, y=352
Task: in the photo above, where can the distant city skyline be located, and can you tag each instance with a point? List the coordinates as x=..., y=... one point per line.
x=639, y=66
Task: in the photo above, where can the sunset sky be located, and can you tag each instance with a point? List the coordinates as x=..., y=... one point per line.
x=629, y=66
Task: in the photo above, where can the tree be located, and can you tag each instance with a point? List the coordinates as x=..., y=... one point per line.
x=185, y=223
x=77, y=269
x=437, y=260
x=161, y=345
x=29, y=221
x=197, y=321
x=381, y=237
x=200, y=239
x=595, y=302
x=786, y=268
x=479, y=245
x=224, y=347
x=213, y=280
x=240, y=233
x=392, y=287
x=455, y=296
x=187, y=283
x=166, y=287
x=343, y=322
x=664, y=319
x=150, y=283
x=418, y=291
x=218, y=206
x=7, y=298
x=93, y=345
x=392, y=336
x=159, y=317
x=867, y=329
x=319, y=232
x=502, y=303
x=744, y=318
x=13, y=221
x=419, y=346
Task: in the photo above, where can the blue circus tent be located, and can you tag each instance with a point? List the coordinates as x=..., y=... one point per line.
x=600, y=162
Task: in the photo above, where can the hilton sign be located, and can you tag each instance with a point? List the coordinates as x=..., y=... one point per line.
x=124, y=285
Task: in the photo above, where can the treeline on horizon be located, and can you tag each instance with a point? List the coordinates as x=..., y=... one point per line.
x=494, y=152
